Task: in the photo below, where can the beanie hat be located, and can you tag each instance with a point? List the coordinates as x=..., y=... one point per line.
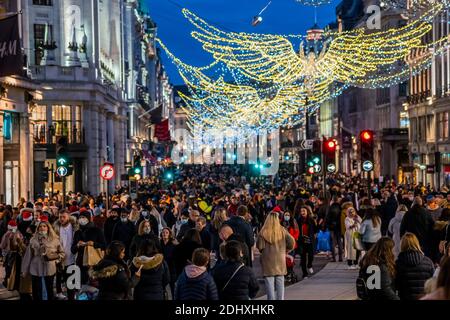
x=85, y=214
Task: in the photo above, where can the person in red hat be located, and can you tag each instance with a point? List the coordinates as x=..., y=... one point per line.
x=12, y=244
x=25, y=225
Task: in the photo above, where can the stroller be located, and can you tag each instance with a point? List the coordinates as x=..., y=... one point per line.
x=291, y=277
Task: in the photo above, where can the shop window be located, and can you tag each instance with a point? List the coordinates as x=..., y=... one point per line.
x=39, y=122
x=42, y=2
x=62, y=122
x=11, y=127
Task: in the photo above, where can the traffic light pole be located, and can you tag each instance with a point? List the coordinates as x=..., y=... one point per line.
x=324, y=173
x=52, y=182
x=64, y=192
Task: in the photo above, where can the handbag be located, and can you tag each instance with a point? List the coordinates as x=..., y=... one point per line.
x=357, y=241
x=92, y=256
x=323, y=241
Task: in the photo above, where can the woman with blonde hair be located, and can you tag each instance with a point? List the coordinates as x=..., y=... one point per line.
x=220, y=216
x=413, y=268
x=41, y=257
x=352, y=223
x=274, y=242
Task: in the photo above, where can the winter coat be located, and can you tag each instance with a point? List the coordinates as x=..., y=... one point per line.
x=246, y=256
x=343, y=215
x=41, y=256
x=182, y=253
x=388, y=211
x=184, y=228
x=195, y=284
x=369, y=232
x=108, y=228
x=333, y=218
x=311, y=232
x=350, y=251
x=387, y=285
x=242, y=228
x=273, y=255
x=394, y=229
x=154, y=277
x=413, y=269
x=242, y=286
x=418, y=221
x=206, y=238
x=113, y=276
x=75, y=226
x=435, y=213
x=87, y=233
x=168, y=251
x=124, y=232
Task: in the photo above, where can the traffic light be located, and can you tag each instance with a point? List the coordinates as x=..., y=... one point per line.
x=329, y=152
x=63, y=162
x=367, y=146
x=314, y=164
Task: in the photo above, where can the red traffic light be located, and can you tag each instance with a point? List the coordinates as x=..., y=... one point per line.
x=366, y=135
x=331, y=145
x=311, y=170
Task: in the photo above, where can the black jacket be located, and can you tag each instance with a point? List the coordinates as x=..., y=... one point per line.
x=242, y=286
x=418, y=221
x=387, y=284
x=182, y=253
x=113, y=279
x=413, y=269
x=138, y=240
x=246, y=259
x=244, y=229
x=168, y=251
x=206, y=238
x=333, y=218
x=184, y=228
x=124, y=232
x=87, y=233
x=154, y=277
x=108, y=228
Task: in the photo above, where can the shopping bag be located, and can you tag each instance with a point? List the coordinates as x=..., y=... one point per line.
x=323, y=241
x=92, y=256
x=357, y=241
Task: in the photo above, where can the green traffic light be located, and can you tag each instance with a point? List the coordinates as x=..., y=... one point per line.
x=61, y=161
x=310, y=164
x=316, y=160
x=137, y=170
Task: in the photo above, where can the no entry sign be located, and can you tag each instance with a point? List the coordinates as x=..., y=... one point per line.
x=107, y=171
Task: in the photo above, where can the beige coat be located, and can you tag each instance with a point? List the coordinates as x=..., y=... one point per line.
x=41, y=257
x=273, y=256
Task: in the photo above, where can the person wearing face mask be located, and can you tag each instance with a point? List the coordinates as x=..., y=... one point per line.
x=307, y=227
x=13, y=247
x=87, y=235
x=145, y=233
x=124, y=232
x=40, y=260
x=291, y=226
x=111, y=222
x=182, y=219
x=146, y=216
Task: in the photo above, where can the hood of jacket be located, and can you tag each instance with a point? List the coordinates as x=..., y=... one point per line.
x=440, y=225
x=411, y=258
x=106, y=268
x=148, y=263
x=194, y=272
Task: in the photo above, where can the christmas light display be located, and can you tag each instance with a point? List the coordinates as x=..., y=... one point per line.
x=261, y=83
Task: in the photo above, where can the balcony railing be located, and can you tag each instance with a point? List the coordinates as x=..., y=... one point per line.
x=44, y=135
x=418, y=98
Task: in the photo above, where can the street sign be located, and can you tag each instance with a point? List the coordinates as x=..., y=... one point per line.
x=367, y=165
x=62, y=171
x=107, y=171
x=317, y=168
x=62, y=161
x=306, y=144
x=331, y=168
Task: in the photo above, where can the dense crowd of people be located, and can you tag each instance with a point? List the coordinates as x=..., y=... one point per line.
x=197, y=238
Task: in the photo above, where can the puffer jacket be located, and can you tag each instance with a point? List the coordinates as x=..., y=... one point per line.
x=113, y=279
x=413, y=269
x=154, y=277
x=195, y=283
x=387, y=285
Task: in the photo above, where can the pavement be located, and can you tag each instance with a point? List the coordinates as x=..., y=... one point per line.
x=334, y=282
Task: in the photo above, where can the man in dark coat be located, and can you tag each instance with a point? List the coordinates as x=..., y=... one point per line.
x=190, y=224
x=226, y=234
x=205, y=235
x=418, y=221
x=242, y=228
x=110, y=223
x=124, y=231
x=388, y=210
x=333, y=224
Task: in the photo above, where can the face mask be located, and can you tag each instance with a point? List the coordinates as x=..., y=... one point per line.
x=147, y=230
x=43, y=233
x=124, y=219
x=183, y=221
x=144, y=213
x=13, y=230
x=83, y=221
x=287, y=218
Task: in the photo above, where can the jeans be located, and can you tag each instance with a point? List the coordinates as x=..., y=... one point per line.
x=274, y=283
x=36, y=283
x=336, y=239
x=306, y=257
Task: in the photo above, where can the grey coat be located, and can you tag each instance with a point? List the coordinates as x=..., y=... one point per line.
x=41, y=256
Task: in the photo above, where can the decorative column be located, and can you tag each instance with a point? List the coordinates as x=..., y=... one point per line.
x=92, y=139
x=25, y=156
x=2, y=178
x=73, y=60
x=110, y=156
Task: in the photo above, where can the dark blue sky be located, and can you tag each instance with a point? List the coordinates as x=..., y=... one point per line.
x=282, y=17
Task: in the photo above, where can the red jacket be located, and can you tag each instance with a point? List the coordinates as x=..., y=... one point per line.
x=295, y=233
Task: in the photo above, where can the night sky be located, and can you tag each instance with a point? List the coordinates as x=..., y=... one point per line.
x=282, y=17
